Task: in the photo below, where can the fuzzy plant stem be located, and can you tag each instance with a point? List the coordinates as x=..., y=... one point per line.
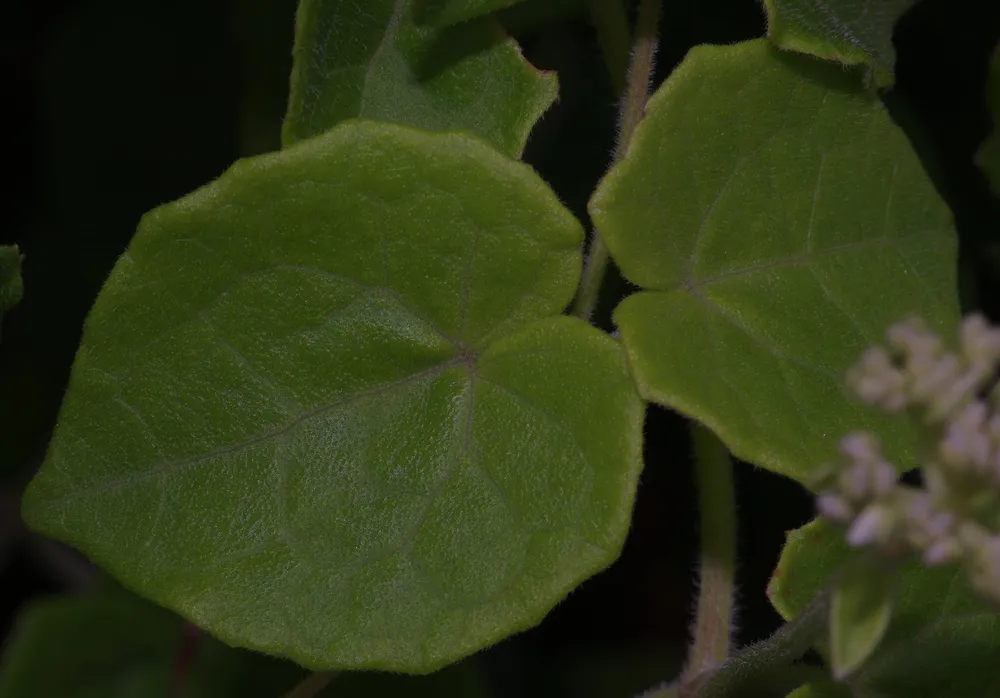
x=609, y=16
x=717, y=509
x=768, y=662
x=312, y=685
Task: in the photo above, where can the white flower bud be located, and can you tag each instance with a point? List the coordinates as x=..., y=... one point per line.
x=860, y=446
x=855, y=482
x=873, y=525
x=883, y=479
x=834, y=508
x=980, y=342
x=942, y=552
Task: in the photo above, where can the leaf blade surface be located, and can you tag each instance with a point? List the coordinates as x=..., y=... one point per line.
x=768, y=264
x=322, y=404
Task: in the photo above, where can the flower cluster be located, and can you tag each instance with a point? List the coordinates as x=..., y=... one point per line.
x=955, y=516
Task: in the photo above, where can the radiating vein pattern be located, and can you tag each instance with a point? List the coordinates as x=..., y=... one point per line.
x=779, y=221
x=325, y=406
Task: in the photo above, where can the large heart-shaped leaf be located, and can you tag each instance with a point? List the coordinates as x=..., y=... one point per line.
x=372, y=60
x=323, y=409
x=11, y=286
x=942, y=640
x=849, y=31
x=989, y=153
x=780, y=222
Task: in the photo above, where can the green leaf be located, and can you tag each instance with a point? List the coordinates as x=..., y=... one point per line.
x=445, y=12
x=850, y=31
x=955, y=657
x=943, y=639
x=323, y=410
x=118, y=646
x=11, y=285
x=860, y=611
x=111, y=644
x=371, y=60
x=780, y=223
x=988, y=156
x=814, y=553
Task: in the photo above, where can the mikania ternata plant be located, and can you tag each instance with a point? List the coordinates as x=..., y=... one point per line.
x=954, y=515
x=350, y=405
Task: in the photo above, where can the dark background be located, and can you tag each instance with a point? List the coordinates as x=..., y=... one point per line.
x=114, y=107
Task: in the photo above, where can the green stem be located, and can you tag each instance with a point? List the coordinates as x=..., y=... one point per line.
x=717, y=509
x=312, y=685
x=636, y=94
x=769, y=657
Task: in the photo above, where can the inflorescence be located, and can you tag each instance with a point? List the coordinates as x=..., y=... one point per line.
x=953, y=395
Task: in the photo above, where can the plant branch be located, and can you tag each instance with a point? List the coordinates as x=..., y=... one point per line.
x=769, y=657
x=312, y=685
x=717, y=510
x=633, y=107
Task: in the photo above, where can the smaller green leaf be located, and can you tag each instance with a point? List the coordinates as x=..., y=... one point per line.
x=769, y=257
x=115, y=645
x=955, y=657
x=11, y=285
x=988, y=156
x=860, y=611
x=373, y=61
x=850, y=31
x=815, y=552
x=112, y=644
x=444, y=12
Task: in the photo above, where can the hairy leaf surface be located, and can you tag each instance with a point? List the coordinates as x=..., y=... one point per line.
x=780, y=222
x=849, y=31
x=372, y=60
x=322, y=407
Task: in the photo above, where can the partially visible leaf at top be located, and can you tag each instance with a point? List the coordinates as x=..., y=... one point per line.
x=989, y=154
x=849, y=31
x=780, y=222
x=943, y=638
x=372, y=60
x=325, y=407
x=11, y=285
x=445, y=12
